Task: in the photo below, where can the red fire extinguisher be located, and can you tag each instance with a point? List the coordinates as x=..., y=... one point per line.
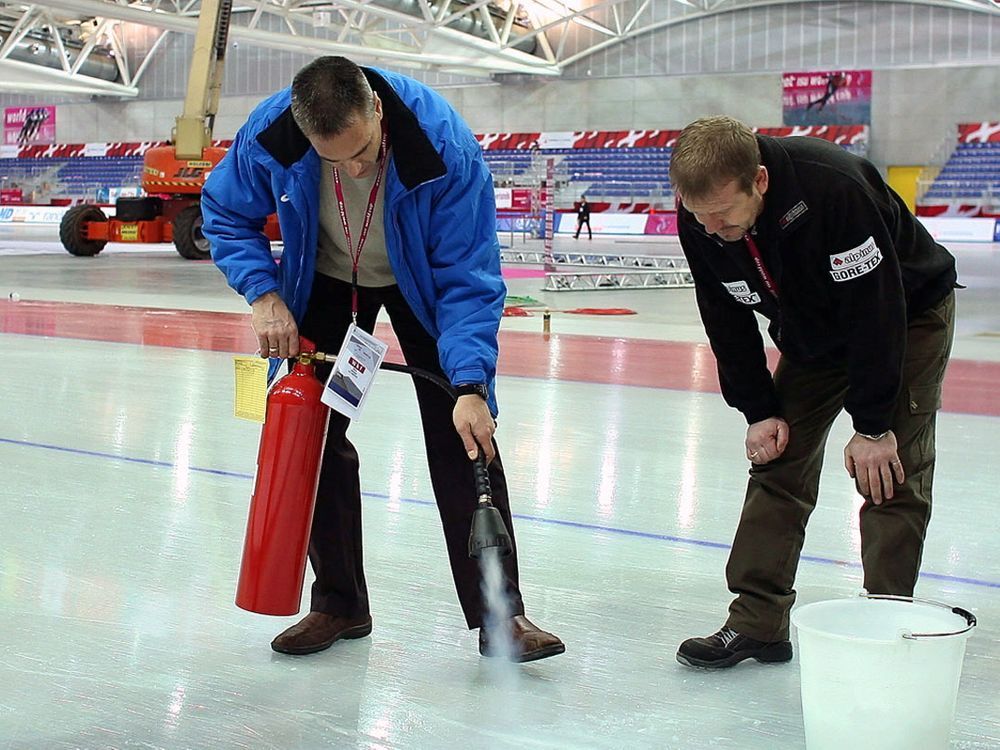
x=281, y=509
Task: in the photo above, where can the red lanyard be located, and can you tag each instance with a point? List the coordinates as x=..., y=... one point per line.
x=758, y=261
x=372, y=198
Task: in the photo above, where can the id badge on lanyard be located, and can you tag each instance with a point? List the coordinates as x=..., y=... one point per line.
x=353, y=373
x=360, y=354
x=365, y=225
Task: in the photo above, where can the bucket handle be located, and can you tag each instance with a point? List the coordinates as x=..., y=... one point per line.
x=970, y=618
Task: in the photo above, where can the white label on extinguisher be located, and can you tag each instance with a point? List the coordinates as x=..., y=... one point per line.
x=353, y=372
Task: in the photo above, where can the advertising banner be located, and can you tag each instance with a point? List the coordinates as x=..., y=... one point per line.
x=556, y=140
x=605, y=223
x=513, y=199
x=835, y=97
x=32, y=214
x=665, y=223
x=26, y=126
x=955, y=229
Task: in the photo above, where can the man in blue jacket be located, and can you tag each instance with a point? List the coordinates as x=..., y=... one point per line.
x=384, y=200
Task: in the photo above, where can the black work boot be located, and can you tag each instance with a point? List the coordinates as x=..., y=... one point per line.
x=727, y=647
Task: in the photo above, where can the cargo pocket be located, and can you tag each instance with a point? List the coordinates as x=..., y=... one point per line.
x=924, y=399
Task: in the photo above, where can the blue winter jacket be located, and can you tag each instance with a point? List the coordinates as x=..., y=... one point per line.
x=440, y=219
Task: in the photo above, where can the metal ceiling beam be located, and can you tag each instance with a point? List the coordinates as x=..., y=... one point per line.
x=36, y=57
x=721, y=7
x=20, y=76
x=420, y=34
x=482, y=54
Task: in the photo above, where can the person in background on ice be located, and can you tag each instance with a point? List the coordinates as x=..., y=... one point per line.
x=374, y=177
x=583, y=217
x=861, y=306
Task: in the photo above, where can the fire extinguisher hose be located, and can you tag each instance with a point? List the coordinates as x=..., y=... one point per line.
x=482, y=479
x=479, y=471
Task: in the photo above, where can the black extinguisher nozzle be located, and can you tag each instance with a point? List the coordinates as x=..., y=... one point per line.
x=488, y=531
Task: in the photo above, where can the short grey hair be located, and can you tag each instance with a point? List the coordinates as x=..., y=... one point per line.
x=329, y=95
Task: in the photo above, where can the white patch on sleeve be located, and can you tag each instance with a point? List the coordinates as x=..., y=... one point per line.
x=741, y=292
x=855, y=262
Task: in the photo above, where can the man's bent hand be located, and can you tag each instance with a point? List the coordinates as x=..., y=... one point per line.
x=277, y=333
x=475, y=424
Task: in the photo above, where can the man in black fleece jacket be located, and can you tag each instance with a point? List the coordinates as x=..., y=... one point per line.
x=861, y=305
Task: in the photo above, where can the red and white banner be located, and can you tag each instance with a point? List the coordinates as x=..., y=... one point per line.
x=979, y=132
x=74, y=150
x=508, y=141
x=842, y=135
x=845, y=135
x=26, y=126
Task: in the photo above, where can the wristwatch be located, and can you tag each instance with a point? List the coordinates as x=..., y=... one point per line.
x=473, y=389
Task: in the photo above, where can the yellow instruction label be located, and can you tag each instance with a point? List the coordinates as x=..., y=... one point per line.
x=251, y=388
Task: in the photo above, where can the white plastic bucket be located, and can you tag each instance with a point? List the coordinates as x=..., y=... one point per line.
x=880, y=672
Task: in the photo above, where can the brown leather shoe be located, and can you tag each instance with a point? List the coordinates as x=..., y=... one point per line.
x=318, y=631
x=529, y=641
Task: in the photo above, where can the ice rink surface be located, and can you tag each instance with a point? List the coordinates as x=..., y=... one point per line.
x=127, y=482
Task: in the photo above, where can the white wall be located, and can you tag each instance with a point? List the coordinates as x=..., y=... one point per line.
x=913, y=111
x=106, y=121
x=618, y=104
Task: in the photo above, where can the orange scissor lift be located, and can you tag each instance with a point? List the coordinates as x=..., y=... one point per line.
x=172, y=176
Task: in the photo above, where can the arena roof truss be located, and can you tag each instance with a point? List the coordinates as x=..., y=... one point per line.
x=81, y=46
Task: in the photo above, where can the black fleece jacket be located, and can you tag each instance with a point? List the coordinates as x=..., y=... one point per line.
x=851, y=264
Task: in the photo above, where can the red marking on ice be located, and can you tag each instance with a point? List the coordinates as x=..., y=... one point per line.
x=969, y=386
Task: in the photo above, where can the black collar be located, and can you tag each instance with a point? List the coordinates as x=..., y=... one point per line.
x=416, y=159
x=785, y=207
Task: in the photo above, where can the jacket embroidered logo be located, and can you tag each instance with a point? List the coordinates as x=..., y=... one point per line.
x=855, y=262
x=741, y=292
x=795, y=212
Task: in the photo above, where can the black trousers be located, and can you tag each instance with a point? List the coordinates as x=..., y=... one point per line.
x=335, y=549
x=579, y=226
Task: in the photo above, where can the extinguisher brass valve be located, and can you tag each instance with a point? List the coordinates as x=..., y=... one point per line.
x=307, y=358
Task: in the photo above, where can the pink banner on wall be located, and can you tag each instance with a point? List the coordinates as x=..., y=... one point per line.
x=27, y=126
x=661, y=223
x=832, y=97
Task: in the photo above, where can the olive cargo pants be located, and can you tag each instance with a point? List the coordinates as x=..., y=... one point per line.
x=782, y=494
